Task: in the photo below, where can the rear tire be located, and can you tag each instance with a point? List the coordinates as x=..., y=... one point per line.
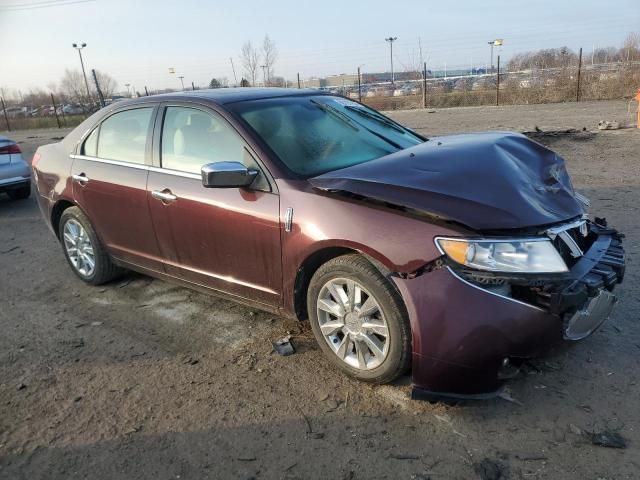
x=85, y=254
x=20, y=193
x=366, y=333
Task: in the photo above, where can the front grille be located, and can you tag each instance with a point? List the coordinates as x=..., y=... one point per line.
x=562, y=239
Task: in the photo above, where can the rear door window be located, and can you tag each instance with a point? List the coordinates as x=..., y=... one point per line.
x=123, y=136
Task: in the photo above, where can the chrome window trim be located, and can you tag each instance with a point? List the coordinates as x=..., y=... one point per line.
x=176, y=173
x=138, y=166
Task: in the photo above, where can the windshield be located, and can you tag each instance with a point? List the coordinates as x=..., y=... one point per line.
x=316, y=134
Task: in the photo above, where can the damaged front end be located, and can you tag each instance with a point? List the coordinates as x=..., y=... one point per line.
x=472, y=325
x=594, y=257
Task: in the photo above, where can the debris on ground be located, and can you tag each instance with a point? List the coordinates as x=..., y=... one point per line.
x=404, y=456
x=573, y=133
x=575, y=429
x=608, y=125
x=21, y=386
x=505, y=394
x=607, y=438
x=284, y=346
x=190, y=360
x=489, y=469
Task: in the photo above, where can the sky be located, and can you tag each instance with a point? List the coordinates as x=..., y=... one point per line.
x=136, y=42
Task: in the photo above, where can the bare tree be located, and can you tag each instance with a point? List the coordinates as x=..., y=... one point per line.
x=108, y=84
x=250, y=60
x=270, y=55
x=72, y=86
x=631, y=47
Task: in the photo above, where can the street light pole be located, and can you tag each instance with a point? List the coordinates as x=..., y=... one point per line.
x=84, y=74
x=264, y=78
x=494, y=43
x=391, y=40
x=235, y=79
x=181, y=77
x=128, y=90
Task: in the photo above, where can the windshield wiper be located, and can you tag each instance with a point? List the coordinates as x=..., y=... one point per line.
x=336, y=113
x=388, y=140
x=352, y=123
x=373, y=116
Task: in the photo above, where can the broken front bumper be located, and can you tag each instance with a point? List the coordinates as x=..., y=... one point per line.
x=465, y=335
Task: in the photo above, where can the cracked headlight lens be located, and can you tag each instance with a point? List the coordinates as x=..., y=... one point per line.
x=504, y=255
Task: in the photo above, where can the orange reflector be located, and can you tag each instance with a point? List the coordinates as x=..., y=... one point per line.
x=456, y=250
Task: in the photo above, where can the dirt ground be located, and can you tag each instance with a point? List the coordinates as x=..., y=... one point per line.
x=141, y=379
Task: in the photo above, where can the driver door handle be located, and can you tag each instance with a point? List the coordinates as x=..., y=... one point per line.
x=165, y=196
x=80, y=178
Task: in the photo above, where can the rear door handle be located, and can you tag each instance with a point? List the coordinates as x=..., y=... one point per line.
x=165, y=196
x=80, y=178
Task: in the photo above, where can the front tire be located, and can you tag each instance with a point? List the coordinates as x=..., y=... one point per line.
x=359, y=320
x=85, y=254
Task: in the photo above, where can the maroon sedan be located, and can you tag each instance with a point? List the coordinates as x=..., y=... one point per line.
x=454, y=256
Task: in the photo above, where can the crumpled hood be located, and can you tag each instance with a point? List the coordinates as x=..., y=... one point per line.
x=486, y=181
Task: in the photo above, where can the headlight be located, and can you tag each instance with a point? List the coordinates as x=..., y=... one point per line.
x=509, y=255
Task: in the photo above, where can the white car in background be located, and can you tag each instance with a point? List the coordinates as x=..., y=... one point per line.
x=15, y=174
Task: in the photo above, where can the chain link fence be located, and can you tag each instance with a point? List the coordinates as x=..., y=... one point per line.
x=574, y=82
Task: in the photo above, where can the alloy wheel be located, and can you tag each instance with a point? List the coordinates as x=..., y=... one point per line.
x=353, y=324
x=79, y=248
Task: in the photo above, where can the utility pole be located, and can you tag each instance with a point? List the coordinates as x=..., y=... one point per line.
x=235, y=79
x=100, y=96
x=264, y=77
x=181, y=77
x=498, y=84
x=359, y=87
x=298, y=80
x=391, y=40
x=84, y=74
x=424, y=85
x=579, y=69
x=128, y=89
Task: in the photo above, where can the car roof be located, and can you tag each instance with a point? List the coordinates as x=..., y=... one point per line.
x=224, y=96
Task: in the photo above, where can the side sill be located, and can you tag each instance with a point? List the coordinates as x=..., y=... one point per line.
x=200, y=288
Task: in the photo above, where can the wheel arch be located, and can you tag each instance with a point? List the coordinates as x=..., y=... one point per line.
x=56, y=213
x=315, y=260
